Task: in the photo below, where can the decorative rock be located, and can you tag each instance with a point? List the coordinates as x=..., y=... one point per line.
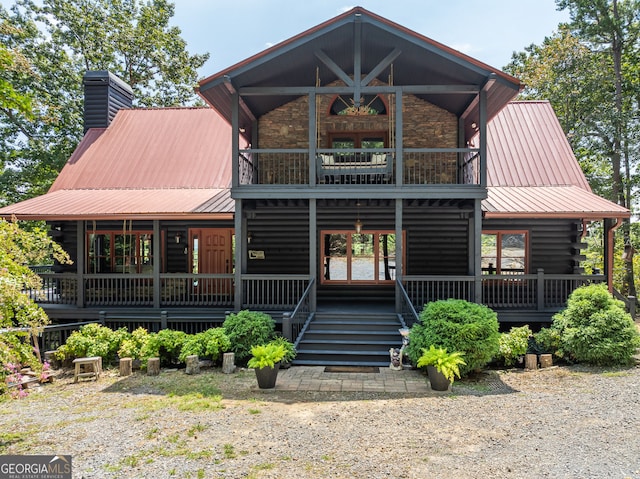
x=193, y=365
x=153, y=366
x=126, y=366
x=228, y=363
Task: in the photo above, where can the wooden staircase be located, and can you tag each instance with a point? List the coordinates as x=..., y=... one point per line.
x=349, y=339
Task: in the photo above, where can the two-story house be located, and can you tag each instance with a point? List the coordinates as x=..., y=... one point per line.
x=340, y=180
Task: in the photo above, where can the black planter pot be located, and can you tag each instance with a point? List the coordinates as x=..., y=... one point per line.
x=267, y=377
x=438, y=381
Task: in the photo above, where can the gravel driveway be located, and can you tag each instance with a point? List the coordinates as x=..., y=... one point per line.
x=563, y=422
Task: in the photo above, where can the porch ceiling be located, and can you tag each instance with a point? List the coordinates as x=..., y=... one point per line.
x=421, y=61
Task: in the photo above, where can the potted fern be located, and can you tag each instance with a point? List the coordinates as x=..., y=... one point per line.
x=442, y=367
x=265, y=360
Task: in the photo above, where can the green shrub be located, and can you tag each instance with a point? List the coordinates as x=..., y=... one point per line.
x=289, y=350
x=93, y=340
x=514, y=344
x=595, y=328
x=456, y=325
x=547, y=340
x=166, y=345
x=247, y=329
x=207, y=344
x=131, y=347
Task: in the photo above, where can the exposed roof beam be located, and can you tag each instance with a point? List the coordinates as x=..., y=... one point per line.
x=245, y=108
x=357, y=60
x=381, y=66
x=491, y=79
x=333, y=66
x=412, y=89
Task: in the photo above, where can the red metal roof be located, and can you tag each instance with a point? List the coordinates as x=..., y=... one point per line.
x=548, y=201
x=153, y=148
x=532, y=171
x=175, y=203
x=527, y=147
x=152, y=163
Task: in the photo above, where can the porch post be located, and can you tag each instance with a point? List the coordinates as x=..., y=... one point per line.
x=610, y=226
x=476, y=248
x=398, y=141
x=235, y=142
x=80, y=265
x=313, y=251
x=241, y=251
x=156, y=264
x=312, y=138
x=483, y=137
x=399, y=252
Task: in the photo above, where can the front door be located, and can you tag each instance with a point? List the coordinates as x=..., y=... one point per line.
x=212, y=253
x=368, y=257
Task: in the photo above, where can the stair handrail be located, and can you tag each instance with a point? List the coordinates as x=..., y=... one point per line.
x=406, y=306
x=295, y=317
x=629, y=302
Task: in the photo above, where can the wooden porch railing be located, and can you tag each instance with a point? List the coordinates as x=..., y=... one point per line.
x=420, y=166
x=176, y=289
x=272, y=291
x=531, y=292
x=425, y=289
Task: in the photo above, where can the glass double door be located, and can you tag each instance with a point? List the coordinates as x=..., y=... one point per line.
x=368, y=257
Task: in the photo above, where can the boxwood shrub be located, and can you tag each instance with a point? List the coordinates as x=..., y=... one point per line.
x=457, y=325
x=246, y=329
x=595, y=328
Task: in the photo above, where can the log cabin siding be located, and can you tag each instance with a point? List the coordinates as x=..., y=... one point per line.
x=437, y=243
x=552, y=243
x=282, y=232
x=65, y=234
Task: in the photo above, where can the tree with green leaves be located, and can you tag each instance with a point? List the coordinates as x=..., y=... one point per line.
x=60, y=40
x=19, y=315
x=588, y=70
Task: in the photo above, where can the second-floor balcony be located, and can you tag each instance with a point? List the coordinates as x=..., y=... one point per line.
x=326, y=167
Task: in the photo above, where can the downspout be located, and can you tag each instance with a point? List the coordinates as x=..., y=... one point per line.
x=609, y=253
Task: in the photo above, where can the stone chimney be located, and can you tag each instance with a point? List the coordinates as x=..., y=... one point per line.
x=104, y=95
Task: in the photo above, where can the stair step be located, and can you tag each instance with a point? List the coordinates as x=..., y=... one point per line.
x=349, y=338
x=343, y=345
x=325, y=362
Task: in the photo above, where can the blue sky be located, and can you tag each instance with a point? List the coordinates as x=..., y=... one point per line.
x=489, y=31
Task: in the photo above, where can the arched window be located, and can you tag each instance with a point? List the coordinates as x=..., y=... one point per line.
x=369, y=105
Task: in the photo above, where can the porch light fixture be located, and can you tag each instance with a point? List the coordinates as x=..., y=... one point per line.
x=249, y=237
x=358, y=223
x=178, y=237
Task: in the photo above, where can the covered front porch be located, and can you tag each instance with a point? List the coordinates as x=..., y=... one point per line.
x=528, y=293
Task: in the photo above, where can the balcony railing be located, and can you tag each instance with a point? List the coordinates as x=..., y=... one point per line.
x=420, y=166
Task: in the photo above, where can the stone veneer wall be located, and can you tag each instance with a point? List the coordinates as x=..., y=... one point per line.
x=424, y=124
